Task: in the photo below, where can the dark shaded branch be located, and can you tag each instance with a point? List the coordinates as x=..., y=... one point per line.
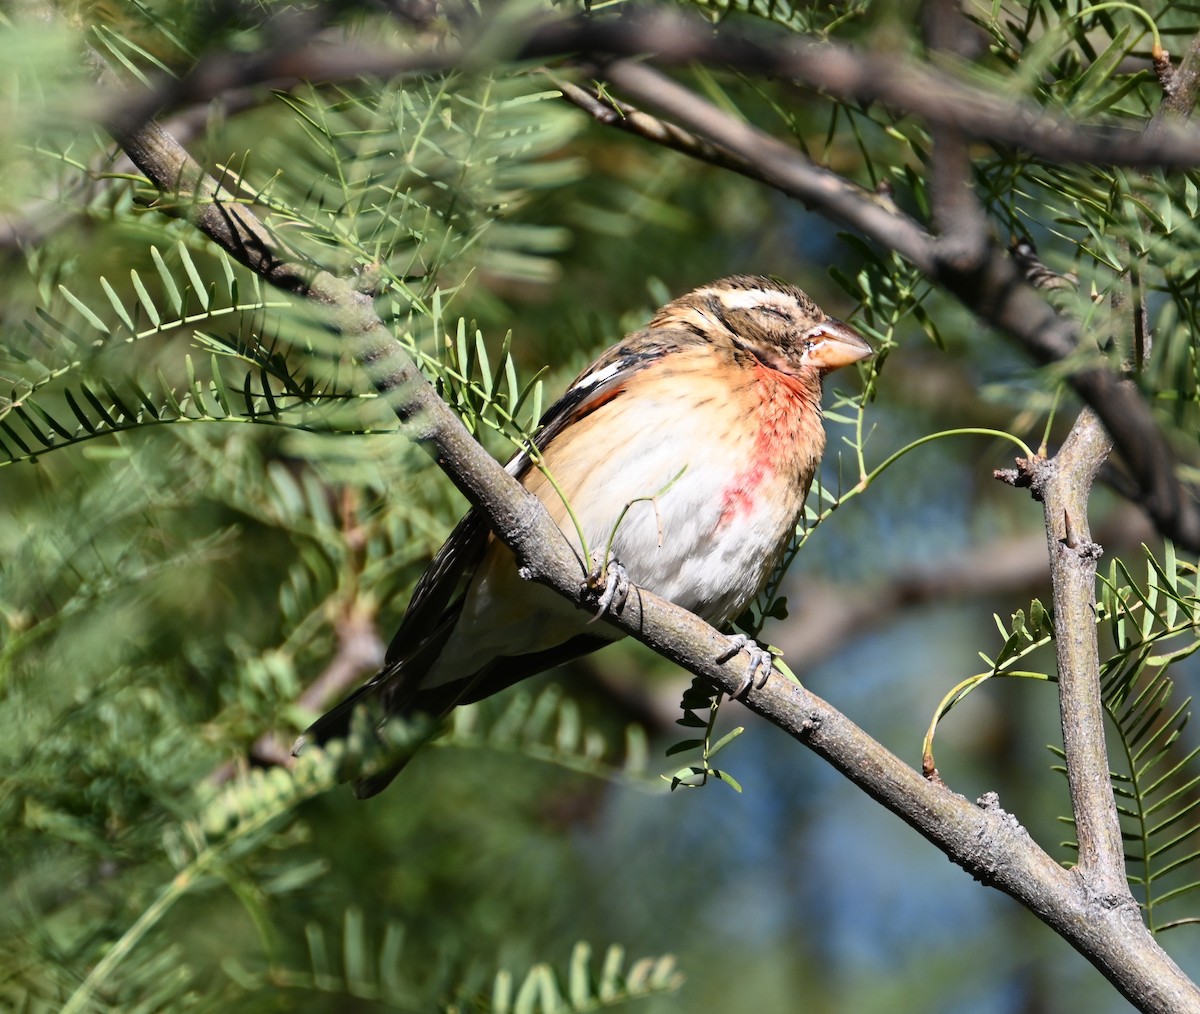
x=958, y=217
x=297, y=52
x=612, y=112
x=358, y=656
x=778, y=164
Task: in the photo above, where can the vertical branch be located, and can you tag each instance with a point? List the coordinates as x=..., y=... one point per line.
x=958, y=217
x=1066, y=483
x=1073, y=558
x=1063, y=484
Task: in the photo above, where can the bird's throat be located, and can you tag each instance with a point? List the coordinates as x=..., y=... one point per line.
x=783, y=441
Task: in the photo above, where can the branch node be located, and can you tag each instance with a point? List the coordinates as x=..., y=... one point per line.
x=1030, y=473
x=931, y=773
x=989, y=801
x=1084, y=548
x=1163, y=70
x=368, y=278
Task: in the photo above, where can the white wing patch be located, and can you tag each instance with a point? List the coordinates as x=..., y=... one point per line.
x=599, y=376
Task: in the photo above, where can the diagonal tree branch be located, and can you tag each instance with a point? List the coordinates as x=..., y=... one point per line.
x=612, y=112
x=777, y=163
x=983, y=839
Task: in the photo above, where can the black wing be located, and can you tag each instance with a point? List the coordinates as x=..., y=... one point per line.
x=437, y=598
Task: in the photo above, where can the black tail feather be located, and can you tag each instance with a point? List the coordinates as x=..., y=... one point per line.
x=335, y=723
x=427, y=707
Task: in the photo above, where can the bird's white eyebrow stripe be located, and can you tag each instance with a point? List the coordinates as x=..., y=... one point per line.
x=743, y=299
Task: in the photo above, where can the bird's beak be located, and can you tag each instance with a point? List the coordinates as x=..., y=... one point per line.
x=833, y=344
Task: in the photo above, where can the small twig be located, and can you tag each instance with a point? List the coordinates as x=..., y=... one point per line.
x=612, y=112
x=359, y=653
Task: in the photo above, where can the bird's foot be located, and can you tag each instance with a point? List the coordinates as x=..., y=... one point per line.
x=610, y=576
x=762, y=663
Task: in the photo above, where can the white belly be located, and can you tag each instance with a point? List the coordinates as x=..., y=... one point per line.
x=707, y=518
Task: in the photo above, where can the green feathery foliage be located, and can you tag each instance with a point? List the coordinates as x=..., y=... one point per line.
x=1155, y=625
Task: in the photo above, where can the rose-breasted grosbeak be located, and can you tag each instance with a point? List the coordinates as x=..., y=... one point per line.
x=704, y=428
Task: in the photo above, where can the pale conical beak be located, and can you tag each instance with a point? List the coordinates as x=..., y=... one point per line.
x=833, y=344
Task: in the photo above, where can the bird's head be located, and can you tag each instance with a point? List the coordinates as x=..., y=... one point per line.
x=775, y=322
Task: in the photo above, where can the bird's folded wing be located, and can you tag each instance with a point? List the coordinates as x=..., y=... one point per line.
x=442, y=581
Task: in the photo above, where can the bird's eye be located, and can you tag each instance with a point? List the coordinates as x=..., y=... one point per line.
x=774, y=311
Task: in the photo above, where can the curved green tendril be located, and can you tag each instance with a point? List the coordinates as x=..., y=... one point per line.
x=1120, y=5
x=929, y=438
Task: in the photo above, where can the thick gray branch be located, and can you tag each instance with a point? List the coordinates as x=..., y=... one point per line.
x=983, y=839
x=958, y=216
